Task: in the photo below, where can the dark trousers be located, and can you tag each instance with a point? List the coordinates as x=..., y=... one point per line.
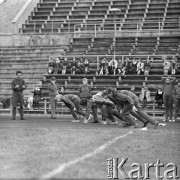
x=177, y=107
x=143, y=116
x=94, y=106
x=168, y=104
x=17, y=97
x=111, y=111
x=77, y=105
x=126, y=114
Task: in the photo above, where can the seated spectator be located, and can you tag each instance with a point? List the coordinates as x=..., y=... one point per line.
x=113, y=66
x=58, y=66
x=36, y=97
x=147, y=66
x=134, y=66
x=127, y=66
x=86, y=66
x=173, y=66
x=159, y=98
x=51, y=66
x=166, y=66
x=140, y=67
x=120, y=68
x=145, y=97
x=64, y=66
x=103, y=67
x=73, y=66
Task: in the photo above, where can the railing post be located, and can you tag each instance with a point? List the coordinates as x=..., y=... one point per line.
x=10, y=105
x=68, y=25
x=34, y=26
x=97, y=62
x=153, y=108
x=45, y=107
x=137, y=33
x=159, y=27
x=52, y=26
x=95, y=30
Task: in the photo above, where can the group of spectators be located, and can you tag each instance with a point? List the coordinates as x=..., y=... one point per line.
x=108, y=66
x=170, y=66
x=63, y=66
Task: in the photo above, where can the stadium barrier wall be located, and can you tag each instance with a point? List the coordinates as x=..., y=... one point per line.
x=23, y=14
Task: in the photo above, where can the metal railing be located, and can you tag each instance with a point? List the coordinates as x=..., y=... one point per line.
x=94, y=26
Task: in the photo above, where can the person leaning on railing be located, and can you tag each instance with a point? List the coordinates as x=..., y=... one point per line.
x=177, y=101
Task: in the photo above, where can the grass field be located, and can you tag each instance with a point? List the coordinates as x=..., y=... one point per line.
x=41, y=148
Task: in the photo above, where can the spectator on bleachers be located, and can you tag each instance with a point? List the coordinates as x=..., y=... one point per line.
x=36, y=97
x=147, y=66
x=127, y=66
x=113, y=67
x=103, y=67
x=159, y=98
x=120, y=68
x=173, y=66
x=64, y=66
x=145, y=97
x=177, y=101
x=168, y=86
x=73, y=66
x=166, y=66
x=80, y=68
x=58, y=66
x=140, y=67
x=86, y=66
x=134, y=66
x=51, y=66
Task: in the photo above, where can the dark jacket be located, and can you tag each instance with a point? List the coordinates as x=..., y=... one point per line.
x=68, y=100
x=84, y=91
x=122, y=98
x=168, y=87
x=20, y=82
x=177, y=92
x=53, y=91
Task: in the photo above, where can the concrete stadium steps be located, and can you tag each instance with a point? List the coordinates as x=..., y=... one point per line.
x=131, y=11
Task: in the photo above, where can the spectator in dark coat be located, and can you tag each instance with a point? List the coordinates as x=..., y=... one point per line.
x=159, y=98
x=86, y=66
x=64, y=66
x=51, y=66
x=36, y=97
x=73, y=66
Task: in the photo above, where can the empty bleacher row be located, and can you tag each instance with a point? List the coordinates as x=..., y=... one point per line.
x=66, y=16
x=125, y=46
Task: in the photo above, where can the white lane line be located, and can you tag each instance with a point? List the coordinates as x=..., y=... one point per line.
x=62, y=167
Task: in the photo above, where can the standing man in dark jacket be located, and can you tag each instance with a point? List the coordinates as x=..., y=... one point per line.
x=18, y=85
x=84, y=92
x=168, y=85
x=53, y=91
x=73, y=103
x=177, y=101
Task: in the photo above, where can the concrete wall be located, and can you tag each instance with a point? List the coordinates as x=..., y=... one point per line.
x=34, y=40
x=23, y=14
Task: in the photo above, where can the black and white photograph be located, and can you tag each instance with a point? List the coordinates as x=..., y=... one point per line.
x=89, y=89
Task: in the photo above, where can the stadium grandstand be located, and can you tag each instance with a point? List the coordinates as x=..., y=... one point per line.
x=38, y=31
x=41, y=39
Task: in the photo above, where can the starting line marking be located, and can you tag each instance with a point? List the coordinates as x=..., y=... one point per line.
x=62, y=167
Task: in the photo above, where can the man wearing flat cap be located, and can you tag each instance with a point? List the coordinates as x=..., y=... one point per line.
x=53, y=91
x=18, y=85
